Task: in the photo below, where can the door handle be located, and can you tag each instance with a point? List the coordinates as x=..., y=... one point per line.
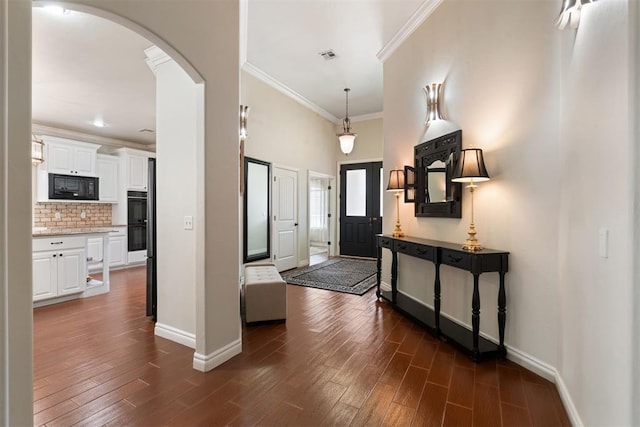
x=295, y=225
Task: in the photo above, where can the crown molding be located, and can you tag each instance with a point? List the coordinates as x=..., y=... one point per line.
x=85, y=137
x=365, y=117
x=156, y=57
x=420, y=15
x=264, y=77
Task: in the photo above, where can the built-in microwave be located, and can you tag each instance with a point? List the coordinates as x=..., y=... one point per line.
x=69, y=187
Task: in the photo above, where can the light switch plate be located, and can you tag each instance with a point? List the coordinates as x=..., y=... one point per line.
x=603, y=242
x=188, y=222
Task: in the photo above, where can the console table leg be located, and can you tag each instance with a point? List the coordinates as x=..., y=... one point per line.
x=475, y=317
x=378, y=272
x=436, y=299
x=394, y=277
x=502, y=314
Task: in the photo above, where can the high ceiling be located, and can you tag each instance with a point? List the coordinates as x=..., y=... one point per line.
x=87, y=68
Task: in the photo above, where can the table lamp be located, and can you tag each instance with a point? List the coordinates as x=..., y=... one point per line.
x=396, y=183
x=471, y=169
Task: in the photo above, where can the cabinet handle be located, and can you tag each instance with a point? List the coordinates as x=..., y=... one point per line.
x=60, y=254
x=54, y=255
x=455, y=258
x=57, y=243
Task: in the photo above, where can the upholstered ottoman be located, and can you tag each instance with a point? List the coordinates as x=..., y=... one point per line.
x=265, y=293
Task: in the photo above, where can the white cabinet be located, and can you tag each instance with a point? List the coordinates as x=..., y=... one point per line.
x=68, y=157
x=137, y=172
x=59, y=267
x=108, y=178
x=117, y=251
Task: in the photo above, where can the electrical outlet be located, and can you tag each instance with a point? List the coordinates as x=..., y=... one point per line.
x=188, y=222
x=57, y=216
x=83, y=214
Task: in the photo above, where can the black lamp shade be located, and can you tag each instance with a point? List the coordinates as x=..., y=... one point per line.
x=396, y=180
x=470, y=167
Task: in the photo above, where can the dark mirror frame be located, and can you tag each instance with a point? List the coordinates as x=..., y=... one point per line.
x=248, y=192
x=444, y=148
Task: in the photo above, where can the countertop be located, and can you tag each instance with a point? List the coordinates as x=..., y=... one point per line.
x=64, y=231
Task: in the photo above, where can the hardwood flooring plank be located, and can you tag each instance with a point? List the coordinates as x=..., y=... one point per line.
x=339, y=359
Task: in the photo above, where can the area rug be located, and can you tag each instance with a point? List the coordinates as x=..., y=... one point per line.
x=353, y=276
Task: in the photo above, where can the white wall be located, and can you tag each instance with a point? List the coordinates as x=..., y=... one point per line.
x=16, y=389
x=597, y=183
x=546, y=109
x=285, y=133
x=176, y=119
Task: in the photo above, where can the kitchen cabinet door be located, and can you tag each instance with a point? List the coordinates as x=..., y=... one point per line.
x=60, y=159
x=71, y=271
x=118, y=250
x=85, y=161
x=137, y=173
x=108, y=175
x=45, y=275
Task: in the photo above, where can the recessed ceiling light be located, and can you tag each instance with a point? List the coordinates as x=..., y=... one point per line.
x=99, y=123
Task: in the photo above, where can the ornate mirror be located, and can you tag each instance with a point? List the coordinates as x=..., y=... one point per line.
x=256, y=210
x=435, y=195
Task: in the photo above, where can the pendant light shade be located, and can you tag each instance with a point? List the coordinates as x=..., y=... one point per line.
x=347, y=138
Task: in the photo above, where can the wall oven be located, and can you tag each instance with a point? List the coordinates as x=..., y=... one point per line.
x=137, y=220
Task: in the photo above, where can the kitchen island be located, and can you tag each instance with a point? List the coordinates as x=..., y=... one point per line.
x=60, y=264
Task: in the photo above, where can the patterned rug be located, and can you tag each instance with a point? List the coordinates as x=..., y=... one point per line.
x=353, y=276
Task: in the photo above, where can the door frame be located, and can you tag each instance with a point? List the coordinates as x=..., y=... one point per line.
x=339, y=184
x=296, y=207
x=333, y=210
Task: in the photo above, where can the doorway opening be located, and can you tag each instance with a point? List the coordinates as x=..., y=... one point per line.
x=321, y=189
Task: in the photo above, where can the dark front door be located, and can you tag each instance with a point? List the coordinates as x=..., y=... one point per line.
x=360, y=211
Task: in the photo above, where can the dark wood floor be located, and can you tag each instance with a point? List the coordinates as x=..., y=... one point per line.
x=339, y=360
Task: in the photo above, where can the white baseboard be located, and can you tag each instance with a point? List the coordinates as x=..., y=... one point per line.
x=536, y=366
x=385, y=286
x=574, y=417
x=206, y=362
x=175, y=335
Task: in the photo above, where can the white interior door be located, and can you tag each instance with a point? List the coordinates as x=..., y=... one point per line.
x=285, y=218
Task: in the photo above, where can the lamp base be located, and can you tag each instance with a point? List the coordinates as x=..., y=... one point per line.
x=398, y=230
x=472, y=244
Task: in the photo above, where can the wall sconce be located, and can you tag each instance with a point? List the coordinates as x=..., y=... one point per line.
x=471, y=169
x=244, y=113
x=433, y=102
x=396, y=184
x=570, y=13
x=37, y=150
x=347, y=138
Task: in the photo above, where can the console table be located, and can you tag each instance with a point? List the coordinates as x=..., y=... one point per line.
x=439, y=253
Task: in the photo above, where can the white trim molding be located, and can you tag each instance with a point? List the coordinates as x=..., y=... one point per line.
x=85, y=137
x=156, y=57
x=176, y=335
x=365, y=117
x=569, y=406
x=420, y=15
x=206, y=362
x=266, y=78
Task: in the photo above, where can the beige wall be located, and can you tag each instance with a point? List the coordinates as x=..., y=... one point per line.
x=509, y=78
x=16, y=395
x=285, y=133
x=368, y=144
x=176, y=143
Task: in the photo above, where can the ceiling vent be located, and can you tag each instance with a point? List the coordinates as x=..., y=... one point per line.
x=145, y=130
x=328, y=54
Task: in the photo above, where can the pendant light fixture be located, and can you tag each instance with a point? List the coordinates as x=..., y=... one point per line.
x=346, y=138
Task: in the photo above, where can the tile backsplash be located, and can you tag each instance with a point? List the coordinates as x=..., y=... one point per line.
x=71, y=214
